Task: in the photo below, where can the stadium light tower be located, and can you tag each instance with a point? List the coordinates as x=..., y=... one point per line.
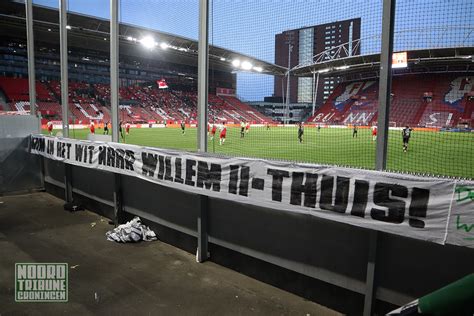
x=289, y=41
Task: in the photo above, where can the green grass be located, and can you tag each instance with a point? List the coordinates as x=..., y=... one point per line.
x=439, y=153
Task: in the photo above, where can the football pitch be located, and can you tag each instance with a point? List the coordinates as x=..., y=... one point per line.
x=435, y=153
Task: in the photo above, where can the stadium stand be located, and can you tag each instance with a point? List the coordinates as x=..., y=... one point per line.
x=16, y=89
x=138, y=103
x=417, y=100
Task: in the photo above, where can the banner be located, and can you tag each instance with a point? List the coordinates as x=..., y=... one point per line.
x=406, y=205
x=225, y=91
x=162, y=84
x=461, y=219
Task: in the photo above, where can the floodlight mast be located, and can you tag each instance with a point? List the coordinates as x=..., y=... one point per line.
x=287, y=109
x=290, y=49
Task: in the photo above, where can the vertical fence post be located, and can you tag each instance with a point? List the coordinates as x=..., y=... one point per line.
x=203, y=249
x=64, y=65
x=30, y=45
x=114, y=71
x=385, y=83
x=65, y=90
x=114, y=101
x=203, y=74
x=370, y=276
x=203, y=88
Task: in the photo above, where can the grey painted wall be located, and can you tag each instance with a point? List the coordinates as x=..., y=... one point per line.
x=19, y=171
x=333, y=253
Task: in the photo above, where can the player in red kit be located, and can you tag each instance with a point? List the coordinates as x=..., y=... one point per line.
x=213, y=131
x=223, y=134
x=92, y=128
x=50, y=127
x=127, y=128
x=374, y=133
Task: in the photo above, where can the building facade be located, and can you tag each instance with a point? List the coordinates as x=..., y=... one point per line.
x=300, y=45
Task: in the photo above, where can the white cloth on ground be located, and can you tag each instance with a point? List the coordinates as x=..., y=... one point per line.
x=131, y=231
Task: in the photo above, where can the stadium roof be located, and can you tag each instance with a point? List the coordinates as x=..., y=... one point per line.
x=423, y=60
x=93, y=32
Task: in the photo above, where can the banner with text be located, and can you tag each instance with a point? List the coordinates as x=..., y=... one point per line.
x=461, y=220
x=401, y=204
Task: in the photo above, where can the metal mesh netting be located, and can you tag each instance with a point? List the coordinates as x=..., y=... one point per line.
x=332, y=99
x=323, y=110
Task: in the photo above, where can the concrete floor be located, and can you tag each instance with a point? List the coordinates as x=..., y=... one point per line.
x=144, y=278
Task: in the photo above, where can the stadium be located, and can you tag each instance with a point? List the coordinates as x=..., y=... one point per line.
x=332, y=162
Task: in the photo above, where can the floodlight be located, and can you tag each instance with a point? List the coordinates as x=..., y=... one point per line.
x=148, y=42
x=164, y=45
x=342, y=67
x=68, y=27
x=259, y=69
x=222, y=59
x=236, y=63
x=129, y=38
x=246, y=65
x=324, y=70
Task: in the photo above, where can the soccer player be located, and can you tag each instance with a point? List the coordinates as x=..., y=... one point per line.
x=120, y=129
x=183, y=127
x=374, y=133
x=127, y=128
x=106, y=128
x=50, y=127
x=268, y=126
x=247, y=127
x=354, y=131
x=213, y=131
x=319, y=128
x=92, y=127
x=300, y=131
x=406, y=134
x=223, y=133
x=242, y=129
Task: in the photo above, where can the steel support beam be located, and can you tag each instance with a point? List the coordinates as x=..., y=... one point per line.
x=68, y=183
x=370, y=276
x=114, y=101
x=203, y=239
x=30, y=45
x=203, y=89
x=65, y=91
x=64, y=65
x=385, y=83
x=315, y=92
x=203, y=74
x=114, y=69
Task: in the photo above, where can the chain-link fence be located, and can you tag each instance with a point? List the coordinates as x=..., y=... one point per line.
x=288, y=80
